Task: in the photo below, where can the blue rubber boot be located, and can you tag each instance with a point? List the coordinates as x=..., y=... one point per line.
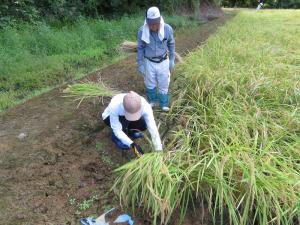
x=119, y=143
x=151, y=96
x=164, y=101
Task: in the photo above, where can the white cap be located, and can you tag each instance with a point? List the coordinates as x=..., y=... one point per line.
x=153, y=15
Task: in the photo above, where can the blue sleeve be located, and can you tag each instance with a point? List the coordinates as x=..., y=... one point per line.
x=171, y=43
x=140, y=47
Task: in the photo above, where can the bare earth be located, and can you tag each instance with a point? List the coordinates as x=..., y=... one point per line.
x=67, y=155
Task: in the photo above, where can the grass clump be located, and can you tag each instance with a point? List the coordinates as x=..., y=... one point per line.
x=238, y=147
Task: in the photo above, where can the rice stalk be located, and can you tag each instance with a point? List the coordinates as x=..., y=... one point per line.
x=82, y=91
x=236, y=143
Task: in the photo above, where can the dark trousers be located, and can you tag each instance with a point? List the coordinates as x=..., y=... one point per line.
x=129, y=127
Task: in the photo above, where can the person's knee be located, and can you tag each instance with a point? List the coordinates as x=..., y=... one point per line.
x=164, y=81
x=139, y=125
x=143, y=125
x=150, y=81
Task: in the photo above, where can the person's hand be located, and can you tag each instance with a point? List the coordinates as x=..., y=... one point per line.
x=142, y=69
x=171, y=64
x=137, y=150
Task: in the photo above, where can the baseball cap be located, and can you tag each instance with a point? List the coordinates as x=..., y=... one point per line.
x=153, y=15
x=133, y=106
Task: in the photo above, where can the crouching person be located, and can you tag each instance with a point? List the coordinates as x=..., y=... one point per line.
x=129, y=115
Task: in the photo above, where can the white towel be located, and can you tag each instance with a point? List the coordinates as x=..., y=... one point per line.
x=146, y=31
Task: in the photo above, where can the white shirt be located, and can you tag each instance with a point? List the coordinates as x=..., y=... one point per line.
x=116, y=109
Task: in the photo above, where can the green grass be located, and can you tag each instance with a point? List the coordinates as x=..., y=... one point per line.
x=237, y=142
x=34, y=58
x=105, y=157
x=81, y=206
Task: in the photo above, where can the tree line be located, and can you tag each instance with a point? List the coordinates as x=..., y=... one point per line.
x=12, y=11
x=267, y=3
x=34, y=10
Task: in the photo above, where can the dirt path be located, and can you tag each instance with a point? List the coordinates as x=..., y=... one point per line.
x=67, y=155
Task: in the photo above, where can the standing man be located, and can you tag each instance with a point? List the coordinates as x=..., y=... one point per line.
x=128, y=115
x=156, y=57
x=260, y=4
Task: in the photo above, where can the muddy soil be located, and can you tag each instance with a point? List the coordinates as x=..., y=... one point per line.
x=53, y=156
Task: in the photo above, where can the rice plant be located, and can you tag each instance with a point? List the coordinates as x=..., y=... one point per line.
x=237, y=140
x=82, y=91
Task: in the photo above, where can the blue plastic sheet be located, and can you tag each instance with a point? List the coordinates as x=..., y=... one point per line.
x=101, y=219
x=124, y=218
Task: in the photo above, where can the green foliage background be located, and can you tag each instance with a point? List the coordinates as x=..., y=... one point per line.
x=34, y=10
x=267, y=3
x=42, y=55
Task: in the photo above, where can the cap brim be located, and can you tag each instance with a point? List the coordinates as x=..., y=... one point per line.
x=153, y=21
x=133, y=116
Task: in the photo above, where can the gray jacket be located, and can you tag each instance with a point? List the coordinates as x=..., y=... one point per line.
x=156, y=48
